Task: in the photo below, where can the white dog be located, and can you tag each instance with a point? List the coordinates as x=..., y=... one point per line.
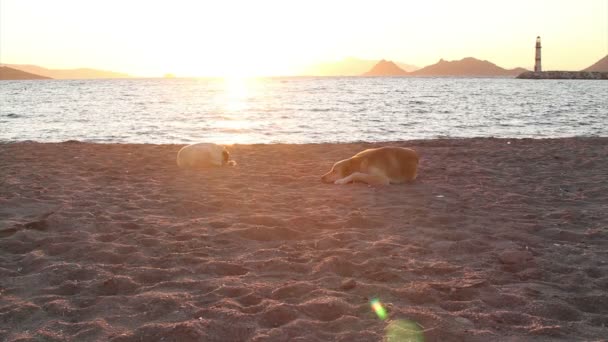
x=203, y=155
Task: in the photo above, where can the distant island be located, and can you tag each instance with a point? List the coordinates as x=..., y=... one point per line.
x=465, y=67
x=597, y=71
x=386, y=68
x=7, y=73
x=349, y=66
x=81, y=73
x=601, y=65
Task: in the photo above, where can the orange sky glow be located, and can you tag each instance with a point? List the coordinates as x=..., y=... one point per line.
x=271, y=38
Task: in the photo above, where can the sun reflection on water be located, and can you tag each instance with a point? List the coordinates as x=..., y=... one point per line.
x=234, y=102
x=236, y=94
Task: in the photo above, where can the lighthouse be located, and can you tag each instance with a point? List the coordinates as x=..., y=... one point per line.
x=537, y=67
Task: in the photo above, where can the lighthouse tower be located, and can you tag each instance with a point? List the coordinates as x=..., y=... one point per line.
x=537, y=67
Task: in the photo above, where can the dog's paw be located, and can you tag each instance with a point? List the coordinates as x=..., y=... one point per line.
x=341, y=181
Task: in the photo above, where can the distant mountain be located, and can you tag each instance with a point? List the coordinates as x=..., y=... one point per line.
x=516, y=71
x=83, y=73
x=407, y=67
x=347, y=67
x=385, y=68
x=601, y=65
x=7, y=73
x=466, y=67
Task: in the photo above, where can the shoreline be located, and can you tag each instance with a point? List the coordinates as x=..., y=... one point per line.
x=415, y=141
x=498, y=239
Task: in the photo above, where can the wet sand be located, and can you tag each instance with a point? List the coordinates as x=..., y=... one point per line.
x=498, y=239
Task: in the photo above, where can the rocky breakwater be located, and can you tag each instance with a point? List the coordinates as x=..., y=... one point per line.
x=565, y=75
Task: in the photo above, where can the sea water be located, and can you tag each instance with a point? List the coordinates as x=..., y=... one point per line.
x=299, y=110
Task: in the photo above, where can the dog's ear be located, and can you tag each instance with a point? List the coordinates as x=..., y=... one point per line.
x=354, y=164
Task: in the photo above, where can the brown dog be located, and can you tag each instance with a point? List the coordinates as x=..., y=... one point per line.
x=378, y=166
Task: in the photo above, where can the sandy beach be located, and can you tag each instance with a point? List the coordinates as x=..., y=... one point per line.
x=497, y=240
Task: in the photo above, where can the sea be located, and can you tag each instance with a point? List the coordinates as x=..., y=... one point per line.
x=299, y=109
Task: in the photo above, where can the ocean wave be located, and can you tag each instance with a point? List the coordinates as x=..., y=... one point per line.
x=234, y=130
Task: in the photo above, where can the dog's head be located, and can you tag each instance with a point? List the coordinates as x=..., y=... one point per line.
x=226, y=158
x=340, y=170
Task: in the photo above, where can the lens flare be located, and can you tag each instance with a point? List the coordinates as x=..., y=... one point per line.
x=404, y=331
x=379, y=309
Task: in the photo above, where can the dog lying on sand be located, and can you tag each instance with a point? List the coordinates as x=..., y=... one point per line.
x=203, y=155
x=376, y=166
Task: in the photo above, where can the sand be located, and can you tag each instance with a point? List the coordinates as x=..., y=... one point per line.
x=497, y=240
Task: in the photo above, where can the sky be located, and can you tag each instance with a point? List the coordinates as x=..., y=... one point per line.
x=270, y=38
